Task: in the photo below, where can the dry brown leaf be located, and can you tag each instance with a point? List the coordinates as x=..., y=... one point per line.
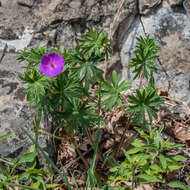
x=182, y=132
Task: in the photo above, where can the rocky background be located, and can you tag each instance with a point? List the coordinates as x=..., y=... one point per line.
x=30, y=23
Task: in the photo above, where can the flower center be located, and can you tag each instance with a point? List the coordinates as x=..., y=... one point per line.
x=52, y=66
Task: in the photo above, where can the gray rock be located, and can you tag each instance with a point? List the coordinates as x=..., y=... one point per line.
x=145, y=6
x=14, y=19
x=75, y=4
x=71, y=21
x=175, y=2
x=171, y=28
x=17, y=44
x=15, y=111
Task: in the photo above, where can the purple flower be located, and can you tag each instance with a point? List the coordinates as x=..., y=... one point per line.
x=51, y=64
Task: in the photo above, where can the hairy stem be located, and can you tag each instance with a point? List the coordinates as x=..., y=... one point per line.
x=122, y=138
x=36, y=124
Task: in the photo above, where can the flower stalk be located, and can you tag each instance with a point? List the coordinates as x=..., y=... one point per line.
x=141, y=79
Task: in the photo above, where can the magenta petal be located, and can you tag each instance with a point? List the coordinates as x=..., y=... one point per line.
x=45, y=59
x=51, y=64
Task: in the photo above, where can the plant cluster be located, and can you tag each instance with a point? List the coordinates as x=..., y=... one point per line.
x=147, y=162
x=60, y=82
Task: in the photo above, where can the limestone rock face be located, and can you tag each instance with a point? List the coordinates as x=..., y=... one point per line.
x=14, y=18
x=72, y=18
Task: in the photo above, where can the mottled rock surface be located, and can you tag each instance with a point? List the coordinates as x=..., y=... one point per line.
x=145, y=6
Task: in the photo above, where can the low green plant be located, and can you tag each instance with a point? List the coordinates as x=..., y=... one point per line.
x=147, y=161
x=24, y=170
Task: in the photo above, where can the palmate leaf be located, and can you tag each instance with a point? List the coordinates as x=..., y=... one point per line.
x=88, y=73
x=145, y=101
x=80, y=115
x=37, y=85
x=95, y=42
x=83, y=68
x=145, y=56
x=112, y=92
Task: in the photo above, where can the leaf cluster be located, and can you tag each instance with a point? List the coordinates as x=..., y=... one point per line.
x=67, y=91
x=112, y=92
x=30, y=173
x=142, y=102
x=147, y=161
x=145, y=55
x=95, y=43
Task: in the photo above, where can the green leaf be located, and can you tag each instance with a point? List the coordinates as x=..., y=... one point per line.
x=149, y=179
x=6, y=136
x=28, y=157
x=145, y=101
x=178, y=184
x=134, y=150
x=52, y=186
x=156, y=168
x=145, y=56
x=179, y=158
x=95, y=43
x=137, y=143
x=174, y=166
x=163, y=161
x=36, y=171
x=112, y=92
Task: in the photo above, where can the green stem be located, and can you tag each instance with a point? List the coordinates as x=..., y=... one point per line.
x=62, y=175
x=133, y=179
x=36, y=124
x=49, y=134
x=99, y=109
x=7, y=162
